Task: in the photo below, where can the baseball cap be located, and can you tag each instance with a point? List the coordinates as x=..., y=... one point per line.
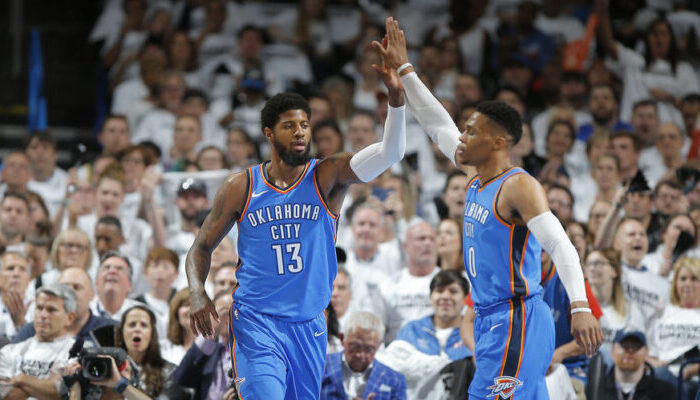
x=622, y=335
x=192, y=184
x=253, y=79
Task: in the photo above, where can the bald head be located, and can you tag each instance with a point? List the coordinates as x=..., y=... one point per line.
x=79, y=280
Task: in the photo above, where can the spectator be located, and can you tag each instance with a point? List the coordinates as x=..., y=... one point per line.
x=603, y=270
x=327, y=138
x=627, y=147
x=38, y=248
x=113, y=284
x=453, y=195
x=408, y=296
x=341, y=297
x=38, y=213
x=629, y=378
x=438, y=334
x=114, y=136
x=108, y=235
x=48, y=180
x=207, y=364
x=187, y=134
x=369, y=260
x=180, y=337
x=361, y=131
x=14, y=220
x=604, y=106
x=85, y=321
x=182, y=57
x=669, y=144
x=677, y=332
x=241, y=149
x=599, y=210
x=135, y=160
x=138, y=335
x=158, y=125
x=561, y=202
x=160, y=270
x=211, y=158
x=14, y=303
x=467, y=90
x=16, y=173
x=354, y=373
x=449, y=245
x=641, y=74
x=27, y=366
x=225, y=278
x=661, y=261
x=71, y=248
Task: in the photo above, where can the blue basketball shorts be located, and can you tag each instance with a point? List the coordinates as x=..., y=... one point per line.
x=274, y=359
x=514, y=347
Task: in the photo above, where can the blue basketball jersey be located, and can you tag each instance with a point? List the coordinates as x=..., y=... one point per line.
x=502, y=260
x=286, y=243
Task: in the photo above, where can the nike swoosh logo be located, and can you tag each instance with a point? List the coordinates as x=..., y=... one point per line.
x=258, y=194
x=317, y=334
x=495, y=326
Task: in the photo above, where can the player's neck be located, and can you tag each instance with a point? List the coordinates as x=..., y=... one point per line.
x=282, y=174
x=495, y=166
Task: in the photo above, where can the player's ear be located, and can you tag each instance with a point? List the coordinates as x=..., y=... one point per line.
x=268, y=133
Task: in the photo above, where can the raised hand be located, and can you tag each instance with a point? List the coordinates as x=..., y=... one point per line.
x=394, y=53
x=391, y=79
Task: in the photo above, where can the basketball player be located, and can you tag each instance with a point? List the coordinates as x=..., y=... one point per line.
x=506, y=224
x=286, y=210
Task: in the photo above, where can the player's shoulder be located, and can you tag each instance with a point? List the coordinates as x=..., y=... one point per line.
x=519, y=181
x=237, y=179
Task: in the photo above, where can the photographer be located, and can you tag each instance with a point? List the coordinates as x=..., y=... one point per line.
x=119, y=383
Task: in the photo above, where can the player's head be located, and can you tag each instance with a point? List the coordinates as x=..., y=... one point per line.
x=495, y=126
x=285, y=121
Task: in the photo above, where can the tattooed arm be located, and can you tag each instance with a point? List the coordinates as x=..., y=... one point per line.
x=228, y=204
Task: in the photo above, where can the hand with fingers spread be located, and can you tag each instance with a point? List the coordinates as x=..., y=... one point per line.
x=201, y=312
x=586, y=331
x=393, y=47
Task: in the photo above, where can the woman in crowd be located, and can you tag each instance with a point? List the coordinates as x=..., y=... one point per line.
x=576, y=232
x=211, y=158
x=658, y=74
x=180, y=337
x=661, y=260
x=449, y=245
x=137, y=334
x=603, y=269
x=327, y=138
x=676, y=333
x=135, y=160
x=595, y=218
x=71, y=248
x=37, y=210
x=241, y=149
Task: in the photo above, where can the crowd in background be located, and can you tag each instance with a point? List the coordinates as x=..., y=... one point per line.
x=609, y=95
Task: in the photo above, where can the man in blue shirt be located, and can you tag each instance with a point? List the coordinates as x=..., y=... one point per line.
x=439, y=333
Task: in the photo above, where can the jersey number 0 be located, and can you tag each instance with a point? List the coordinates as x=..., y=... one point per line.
x=292, y=249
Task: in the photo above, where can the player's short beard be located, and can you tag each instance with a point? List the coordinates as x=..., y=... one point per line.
x=291, y=158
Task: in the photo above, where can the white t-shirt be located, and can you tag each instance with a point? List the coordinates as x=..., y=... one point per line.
x=406, y=299
x=157, y=126
x=98, y=309
x=676, y=332
x=647, y=291
x=33, y=357
x=52, y=190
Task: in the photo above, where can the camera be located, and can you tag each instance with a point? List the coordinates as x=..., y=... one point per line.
x=98, y=368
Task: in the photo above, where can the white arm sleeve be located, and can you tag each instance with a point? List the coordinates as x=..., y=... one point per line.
x=431, y=115
x=551, y=235
x=371, y=161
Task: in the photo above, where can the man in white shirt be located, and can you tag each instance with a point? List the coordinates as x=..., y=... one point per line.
x=16, y=173
x=48, y=180
x=408, y=297
x=14, y=220
x=113, y=284
x=14, y=279
x=114, y=135
x=30, y=365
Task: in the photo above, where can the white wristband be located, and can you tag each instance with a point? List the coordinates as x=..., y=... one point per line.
x=403, y=67
x=580, y=309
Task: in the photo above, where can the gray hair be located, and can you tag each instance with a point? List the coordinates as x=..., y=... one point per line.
x=64, y=292
x=368, y=205
x=366, y=321
x=117, y=254
x=13, y=253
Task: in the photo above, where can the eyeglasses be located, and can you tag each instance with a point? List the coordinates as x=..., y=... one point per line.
x=73, y=246
x=597, y=264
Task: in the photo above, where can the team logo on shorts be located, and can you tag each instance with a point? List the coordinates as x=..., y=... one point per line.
x=504, y=386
